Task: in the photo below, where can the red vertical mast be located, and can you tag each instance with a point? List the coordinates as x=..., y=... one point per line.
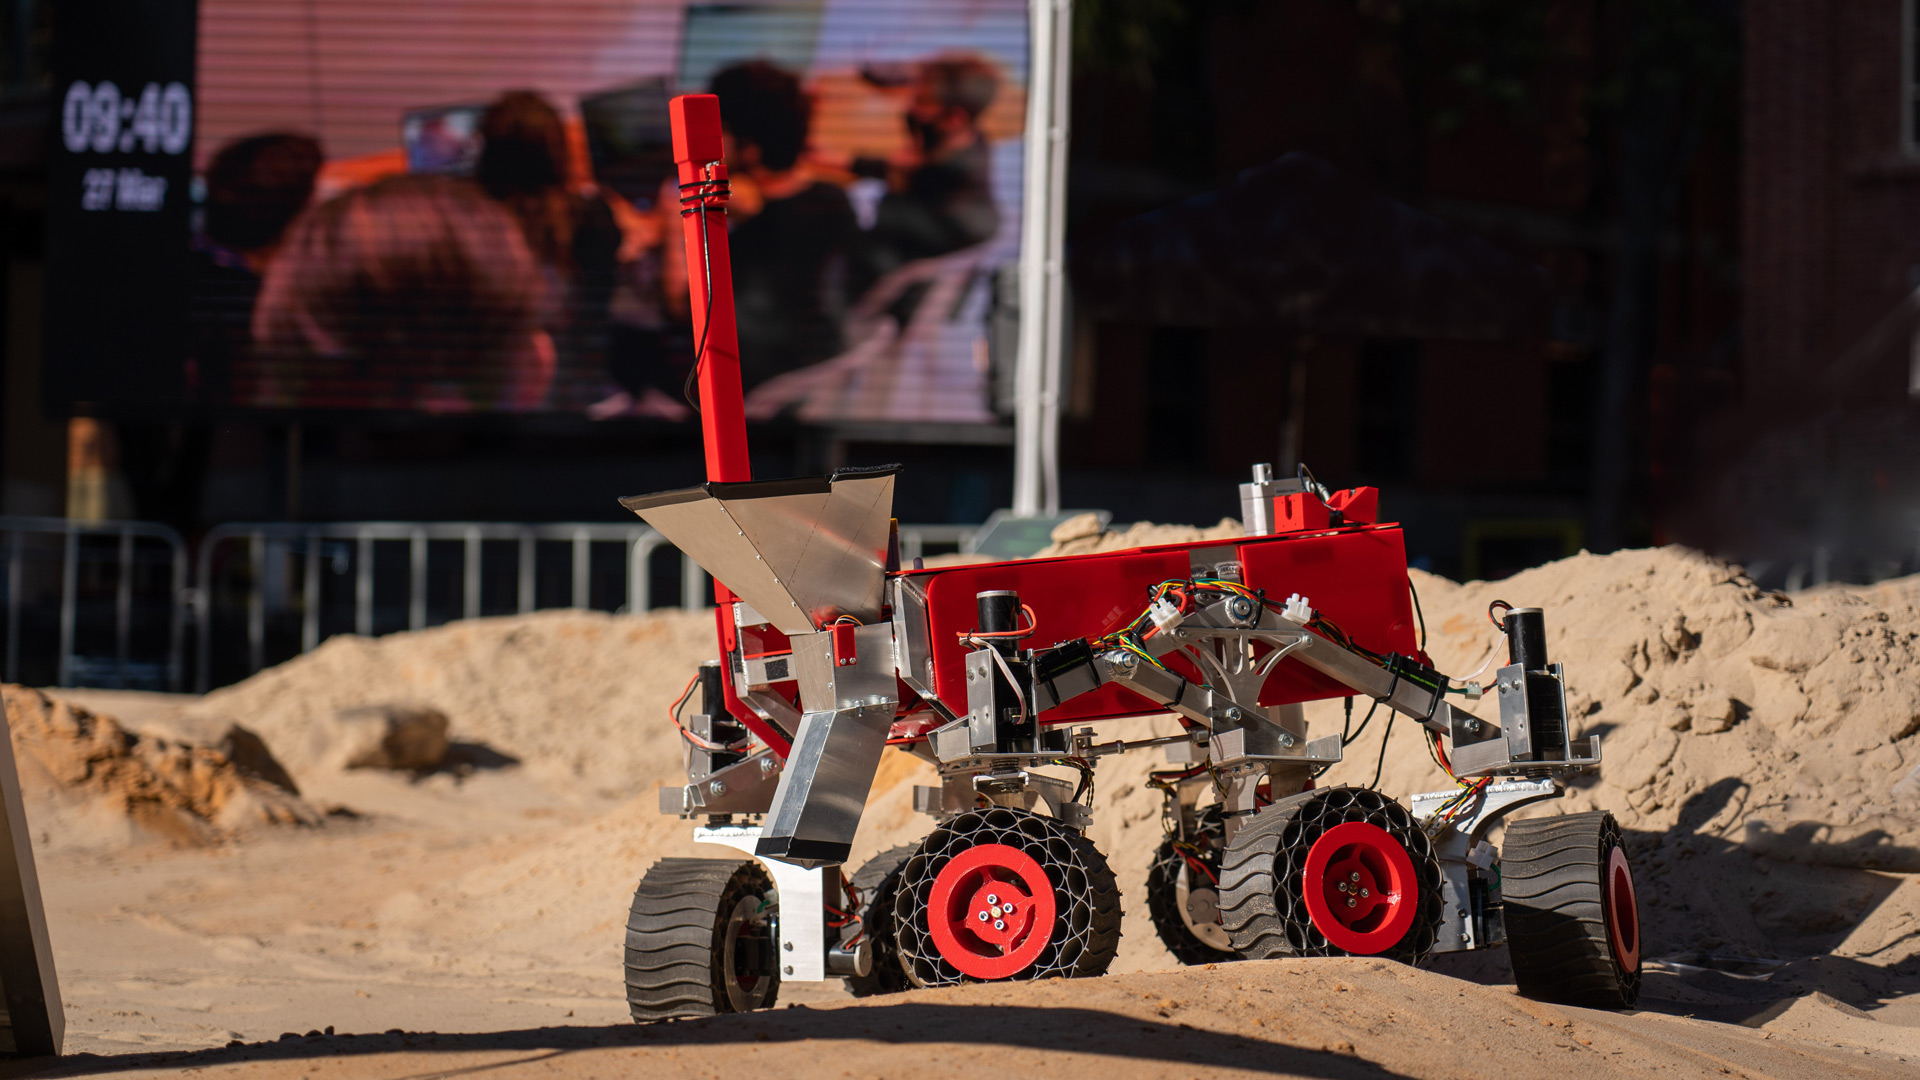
x=703, y=221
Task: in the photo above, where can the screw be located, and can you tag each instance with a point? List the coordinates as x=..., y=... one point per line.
x=787, y=945
x=717, y=787
x=1464, y=936
x=1351, y=901
x=998, y=925
x=767, y=765
x=789, y=969
x=1364, y=893
x=1007, y=907
x=983, y=916
x=992, y=899
x=1343, y=886
x=1233, y=712
x=1355, y=876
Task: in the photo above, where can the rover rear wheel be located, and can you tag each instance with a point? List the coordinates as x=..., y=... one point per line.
x=1331, y=872
x=1573, y=924
x=877, y=884
x=1005, y=894
x=702, y=939
x=1183, y=894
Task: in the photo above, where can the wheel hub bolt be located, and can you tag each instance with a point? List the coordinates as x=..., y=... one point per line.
x=999, y=925
x=1354, y=877
x=1343, y=886
x=983, y=916
x=1365, y=893
x=992, y=899
x=1351, y=901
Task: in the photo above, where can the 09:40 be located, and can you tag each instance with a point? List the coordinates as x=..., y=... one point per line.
x=100, y=118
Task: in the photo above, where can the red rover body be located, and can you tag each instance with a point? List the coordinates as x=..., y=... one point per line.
x=999, y=674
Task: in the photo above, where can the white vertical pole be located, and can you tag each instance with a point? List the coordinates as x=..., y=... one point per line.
x=1036, y=470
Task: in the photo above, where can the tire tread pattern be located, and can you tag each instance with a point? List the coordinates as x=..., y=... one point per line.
x=1552, y=885
x=680, y=910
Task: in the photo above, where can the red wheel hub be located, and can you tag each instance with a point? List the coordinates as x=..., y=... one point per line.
x=1360, y=886
x=1623, y=913
x=991, y=911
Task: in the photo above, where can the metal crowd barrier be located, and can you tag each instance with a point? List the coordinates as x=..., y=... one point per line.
x=141, y=577
x=309, y=541
x=123, y=668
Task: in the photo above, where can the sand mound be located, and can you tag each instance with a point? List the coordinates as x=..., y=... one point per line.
x=1725, y=710
x=578, y=695
x=1083, y=534
x=124, y=783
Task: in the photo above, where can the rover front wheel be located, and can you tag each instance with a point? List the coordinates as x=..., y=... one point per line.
x=702, y=939
x=1573, y=922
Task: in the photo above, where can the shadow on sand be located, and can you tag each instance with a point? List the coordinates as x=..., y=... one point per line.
x=906, y=1024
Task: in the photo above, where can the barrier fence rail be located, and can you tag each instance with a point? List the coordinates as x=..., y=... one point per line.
x=274, y=576
x=81, y=578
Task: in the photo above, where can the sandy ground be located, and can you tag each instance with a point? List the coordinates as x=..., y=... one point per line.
x=1760, y=756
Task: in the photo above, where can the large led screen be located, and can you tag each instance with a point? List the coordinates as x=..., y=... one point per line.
x=466, y=206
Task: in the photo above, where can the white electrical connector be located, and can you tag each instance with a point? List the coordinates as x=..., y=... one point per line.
x=1474, y=691
x=1297, y=610
x=1165, y=614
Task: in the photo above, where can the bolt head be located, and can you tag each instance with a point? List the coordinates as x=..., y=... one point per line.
x=1364, y=894
x=717, y=787
x=992, y=899
x=1352, y=902
x=983, y=916
x=787, y=945
x=789, y=969
x=999, y=925
x=1355, y=876
x=1342, y=886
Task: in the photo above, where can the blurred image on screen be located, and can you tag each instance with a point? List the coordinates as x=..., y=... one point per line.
x=520, y=251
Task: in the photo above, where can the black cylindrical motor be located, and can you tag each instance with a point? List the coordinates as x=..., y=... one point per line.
x=1527, y=638
x=715, y=724
x=1546, y=710
x=998, y=611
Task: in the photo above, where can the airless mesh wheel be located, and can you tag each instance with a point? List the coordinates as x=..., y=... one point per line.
x=1332, y=872
x=702, y=939
x=1183, y=894
x=1573, y=924
x=878, y=885
x=1005, y=894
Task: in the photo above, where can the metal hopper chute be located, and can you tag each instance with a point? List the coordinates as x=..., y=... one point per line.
x=801, y=552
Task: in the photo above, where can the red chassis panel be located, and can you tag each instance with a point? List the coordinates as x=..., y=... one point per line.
x=1356, y=577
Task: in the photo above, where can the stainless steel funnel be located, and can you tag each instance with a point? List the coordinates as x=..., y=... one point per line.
x=801, y=552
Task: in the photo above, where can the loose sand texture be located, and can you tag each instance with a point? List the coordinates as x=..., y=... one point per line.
x=1758, y=750
x=1336, y=1018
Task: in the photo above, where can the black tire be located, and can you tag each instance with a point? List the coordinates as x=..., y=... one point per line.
x=1263, y=903
x=702, y=939
x=877, y=884
x=1174, y=926
x=1085, y=935
x=1573, y=925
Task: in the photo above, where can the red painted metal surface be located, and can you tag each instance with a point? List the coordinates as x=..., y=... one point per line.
x=1360, y=888
x=991, y=911
x=695, y=119
x=1357, y=577
x=1623, y=912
